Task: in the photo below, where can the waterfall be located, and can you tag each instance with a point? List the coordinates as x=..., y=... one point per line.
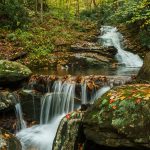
x=111, y=37
x=59, y=102
x=19, y=115
x=21, y=122
x=84, y=93
x=54, y=106
x=99, y=93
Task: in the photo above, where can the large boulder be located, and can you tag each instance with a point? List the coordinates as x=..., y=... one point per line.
x=12, y=72
x=120, y=118
x=144, y=73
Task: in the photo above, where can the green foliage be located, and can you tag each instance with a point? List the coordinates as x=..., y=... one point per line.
x=134, y=12
x=38, y=45
x=13, y=14
x=90, y=14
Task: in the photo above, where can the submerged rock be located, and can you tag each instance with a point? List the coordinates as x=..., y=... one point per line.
x=120, y=118
x=144, y=73
x=12, y=72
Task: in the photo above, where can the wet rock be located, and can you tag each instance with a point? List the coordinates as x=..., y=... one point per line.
x=11, y=72
x=85, y=46
x=9, y=141
x=6, y=100
x=93, y=48
x=68, y=131
x=31, y=103
x=44, y=83
x=120, y=118
x=93, y=58
x=144, y=73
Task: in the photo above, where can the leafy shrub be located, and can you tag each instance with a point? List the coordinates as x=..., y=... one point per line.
x=13, y=14
x=89, y=14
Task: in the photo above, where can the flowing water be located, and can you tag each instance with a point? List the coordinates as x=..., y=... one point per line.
x=99, y=93
x=21, y=122
x=39, y=137
x=60, y=98
x=111, y=37
x=84, y=93
x=54, y=106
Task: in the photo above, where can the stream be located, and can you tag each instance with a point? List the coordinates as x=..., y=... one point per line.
x=60, y=99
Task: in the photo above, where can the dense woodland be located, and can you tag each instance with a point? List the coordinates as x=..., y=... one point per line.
x=41, y=27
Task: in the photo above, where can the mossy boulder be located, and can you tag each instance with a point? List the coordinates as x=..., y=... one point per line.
x=144, y=73
x=121, y=117
x=67, y=136
x=13, y=72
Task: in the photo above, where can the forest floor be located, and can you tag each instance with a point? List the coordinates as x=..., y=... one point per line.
x=49, y=43
x=41, y=43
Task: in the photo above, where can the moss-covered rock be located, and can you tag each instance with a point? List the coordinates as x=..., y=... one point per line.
x=121, y=117
x=68, y=132
x=13, y=72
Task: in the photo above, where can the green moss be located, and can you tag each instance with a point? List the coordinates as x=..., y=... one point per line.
x=13, y=71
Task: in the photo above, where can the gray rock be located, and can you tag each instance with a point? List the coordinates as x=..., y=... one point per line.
x=31, y=103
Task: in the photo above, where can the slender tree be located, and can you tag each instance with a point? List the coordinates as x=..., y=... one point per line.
x=41, y=10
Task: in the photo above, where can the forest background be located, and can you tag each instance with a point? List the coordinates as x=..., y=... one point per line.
x=42, y=27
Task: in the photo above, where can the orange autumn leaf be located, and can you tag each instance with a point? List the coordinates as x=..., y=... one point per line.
x=111, y=101
x=114, y=107
x=122, y=97
x=7, y=135
x=138, y=101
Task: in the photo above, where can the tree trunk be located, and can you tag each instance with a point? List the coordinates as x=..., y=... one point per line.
x=94, y=3
x=36, y=6
x=77, y=8
x=41, y=11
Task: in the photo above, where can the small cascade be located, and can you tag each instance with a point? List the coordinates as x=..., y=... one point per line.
x=39, y=137
x=56, y=103
x=84, y=93
x=99, y=93
x=60, y=101
x=20, y=121
x=111, y=37
x=54, y=106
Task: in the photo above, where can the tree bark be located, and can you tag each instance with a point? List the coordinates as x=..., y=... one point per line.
x=41, y=11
